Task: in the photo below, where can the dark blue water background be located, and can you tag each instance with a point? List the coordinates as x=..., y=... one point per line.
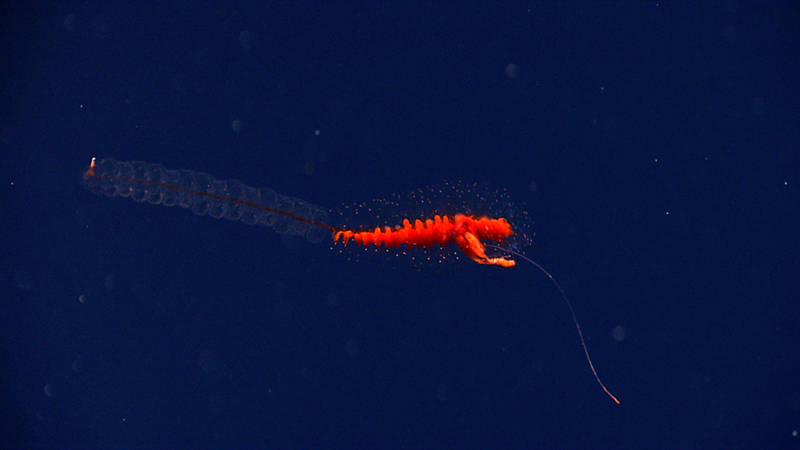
x=653, y=144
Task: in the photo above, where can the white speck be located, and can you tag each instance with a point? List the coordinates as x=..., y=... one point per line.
x=316, y=132
x=785, y=183
x=655, y=160
x=512, y=70
x=667, y=212
x=618, y=333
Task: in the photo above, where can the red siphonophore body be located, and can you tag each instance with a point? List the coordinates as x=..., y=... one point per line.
x=232, y=200
x=467, y=232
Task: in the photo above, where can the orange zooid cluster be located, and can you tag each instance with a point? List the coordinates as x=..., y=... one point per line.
x=466, y=231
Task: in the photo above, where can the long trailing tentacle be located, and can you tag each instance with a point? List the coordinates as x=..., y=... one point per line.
x=571, y=310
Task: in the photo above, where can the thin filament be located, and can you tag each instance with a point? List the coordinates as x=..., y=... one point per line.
x=571, y=310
